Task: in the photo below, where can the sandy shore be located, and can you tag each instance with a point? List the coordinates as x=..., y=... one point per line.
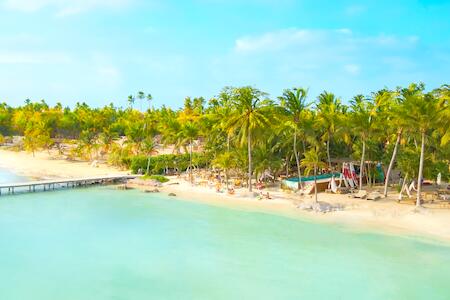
x=384, y=215
x=44, y=165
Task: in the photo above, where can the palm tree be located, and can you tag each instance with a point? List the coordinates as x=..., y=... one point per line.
x=329, y=110
x=294, y=103
x=251, y=113
x=106, y=138
x=149, y=100
x=149, y=147
x=225, y=161
x=361, y=121
x=131, y=100
x=312, y=161
x=424, y=113
x=189, y=132
x=141, y=97
x=396, y=118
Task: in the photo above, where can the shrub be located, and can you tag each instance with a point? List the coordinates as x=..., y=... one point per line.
x=159, y=164
x=158, y=178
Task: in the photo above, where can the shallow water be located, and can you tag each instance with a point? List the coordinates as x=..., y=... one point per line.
x=101, y=243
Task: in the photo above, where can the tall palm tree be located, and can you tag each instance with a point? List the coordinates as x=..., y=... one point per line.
x=329, y=110
x=140, y=96
x=189, y=132
x=396, y=118
x=131, y=100
x=220, y=110
x=226, y=161
x=361, y=121
x=294, y=103
x=313, y=161
x=424, y=113
x=149, y=147
x=251, y=113
x=149, y=100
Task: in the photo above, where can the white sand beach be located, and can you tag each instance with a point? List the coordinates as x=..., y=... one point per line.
x=44, y=165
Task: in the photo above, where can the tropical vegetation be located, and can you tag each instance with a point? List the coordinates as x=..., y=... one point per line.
x=244, y=132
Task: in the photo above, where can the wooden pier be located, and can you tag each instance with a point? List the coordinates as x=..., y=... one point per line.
x=45, y=185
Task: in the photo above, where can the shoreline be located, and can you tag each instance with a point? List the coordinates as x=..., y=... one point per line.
x=384, y=216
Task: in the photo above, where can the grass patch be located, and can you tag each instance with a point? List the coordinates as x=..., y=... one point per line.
x=158, y=178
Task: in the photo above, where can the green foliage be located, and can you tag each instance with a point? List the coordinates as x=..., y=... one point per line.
x=158, y=178
x=162, y=164
x=242, y=128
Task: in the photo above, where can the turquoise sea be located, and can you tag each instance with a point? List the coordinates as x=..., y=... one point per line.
x=102, y=243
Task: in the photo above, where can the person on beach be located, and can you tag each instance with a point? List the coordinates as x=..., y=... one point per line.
x=218, y=188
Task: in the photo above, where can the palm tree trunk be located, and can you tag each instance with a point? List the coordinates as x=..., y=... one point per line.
x=148, y=165
x=315, y=183
x=361, y=167
x=328, y=152
x=419, y=179
x=226, y=178
x=299, y=185
x=190, y=161
x=404, y=183
x=287, y=166
x=391, y=163
x=249, y=148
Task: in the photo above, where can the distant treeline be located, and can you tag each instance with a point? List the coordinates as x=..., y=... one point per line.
x=244, y=130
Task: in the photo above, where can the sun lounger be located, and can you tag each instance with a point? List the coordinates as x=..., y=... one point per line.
x=373, y=196
x=362, y=194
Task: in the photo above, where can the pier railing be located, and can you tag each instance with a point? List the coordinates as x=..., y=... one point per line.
x=44, y=185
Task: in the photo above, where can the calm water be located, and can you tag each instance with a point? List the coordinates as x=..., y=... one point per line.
x=100, y=243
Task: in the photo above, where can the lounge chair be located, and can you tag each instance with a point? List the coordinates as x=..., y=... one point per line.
x=374, y=196
x=362, y=194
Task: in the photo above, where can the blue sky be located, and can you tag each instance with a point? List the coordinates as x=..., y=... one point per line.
x=100, y=51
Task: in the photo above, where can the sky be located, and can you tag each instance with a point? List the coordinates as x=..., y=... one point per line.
x=101, y=51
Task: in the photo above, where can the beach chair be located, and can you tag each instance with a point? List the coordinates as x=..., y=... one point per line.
x=374, y=196
x=362, y=194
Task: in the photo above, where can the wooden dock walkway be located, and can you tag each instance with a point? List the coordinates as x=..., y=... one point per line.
x=30, y=186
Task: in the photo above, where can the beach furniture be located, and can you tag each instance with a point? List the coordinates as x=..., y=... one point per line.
x=374, y=196
x=362, y=194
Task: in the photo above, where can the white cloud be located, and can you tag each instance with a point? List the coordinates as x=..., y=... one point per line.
x=282, y=39
x=63, y=7
x=327, y=58
x=352, y=69
x=287, y=39
x=301, y=39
